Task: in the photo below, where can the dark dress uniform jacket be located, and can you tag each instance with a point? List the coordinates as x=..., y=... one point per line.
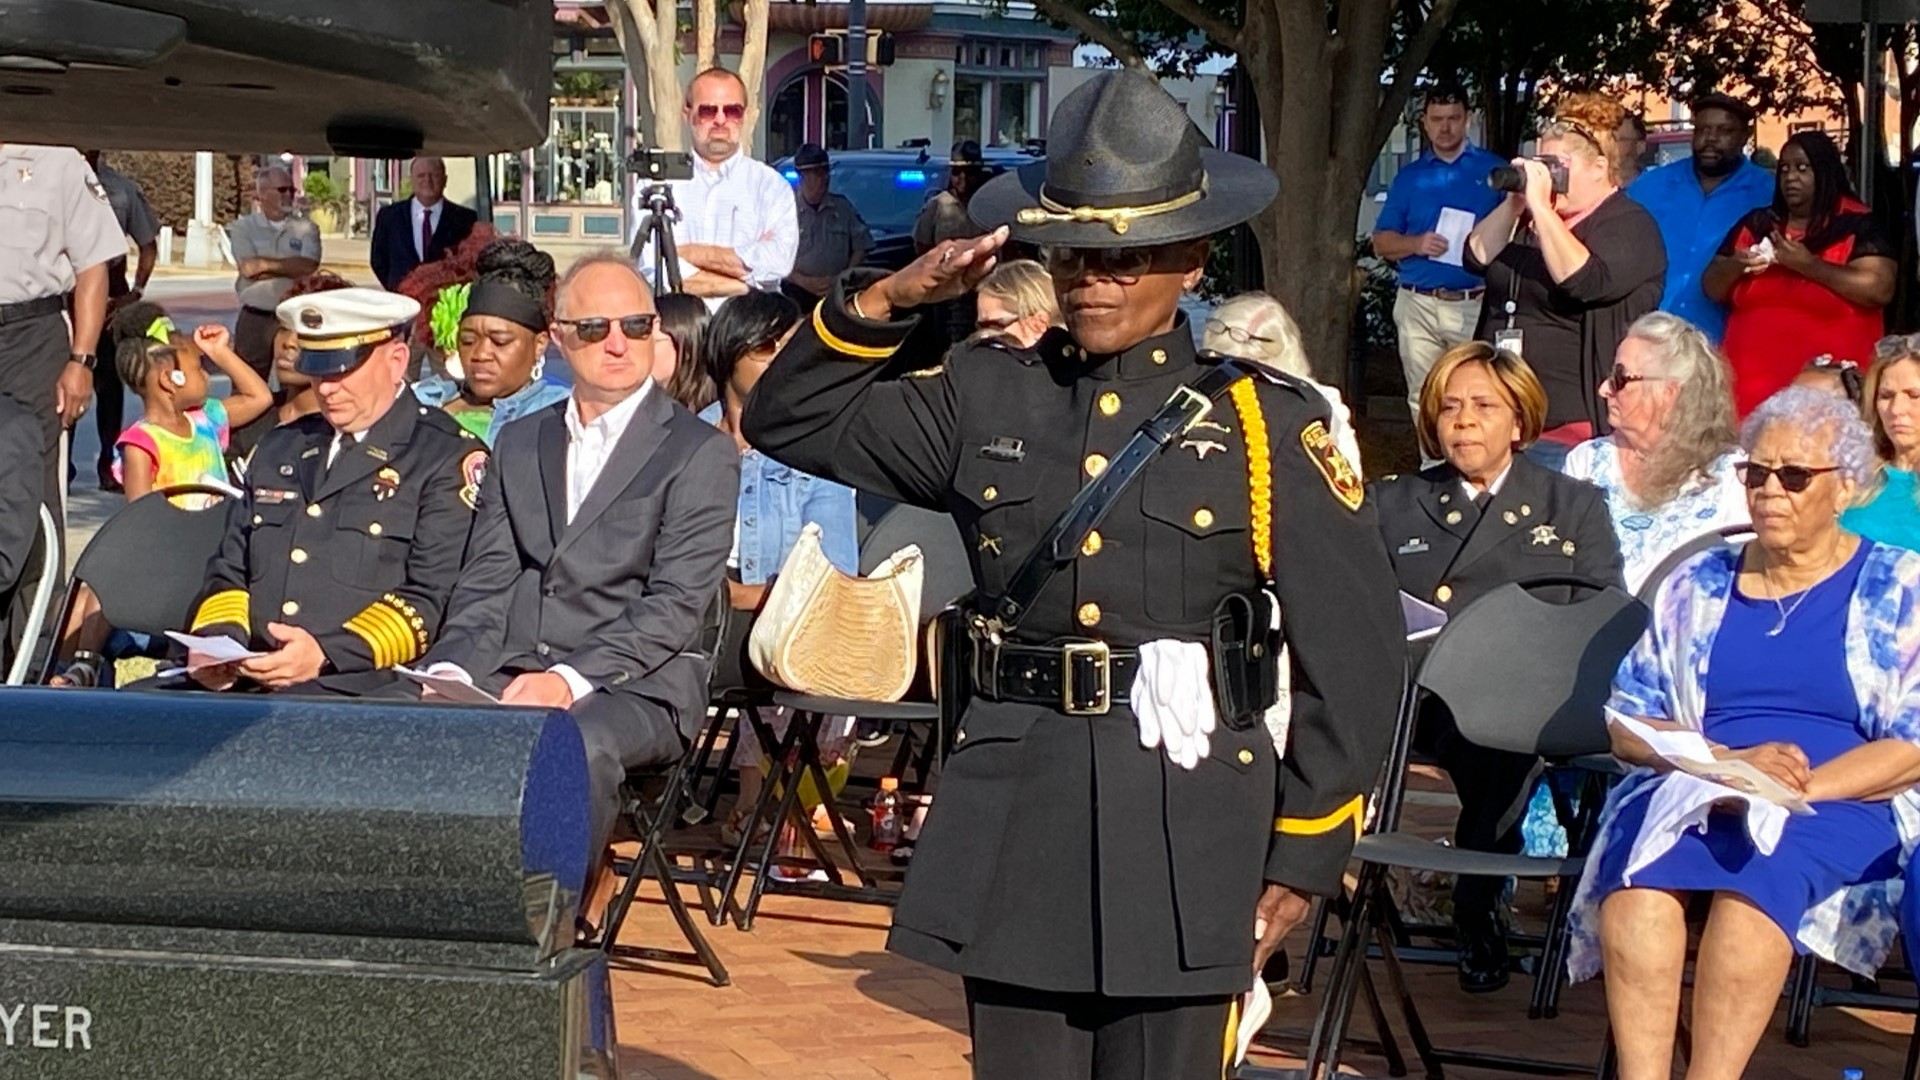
x=362, y=555
x=1448, y=553
x=618, y=594
x=1061, y=855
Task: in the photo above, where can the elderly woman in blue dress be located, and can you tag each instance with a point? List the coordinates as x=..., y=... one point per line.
x=1798, y=654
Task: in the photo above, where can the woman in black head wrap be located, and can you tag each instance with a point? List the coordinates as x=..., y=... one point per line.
x=502, y=340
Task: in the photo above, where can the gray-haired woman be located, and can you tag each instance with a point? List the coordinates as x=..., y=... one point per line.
x=1798, y=656
x=1255, y=326
x=1668, y=468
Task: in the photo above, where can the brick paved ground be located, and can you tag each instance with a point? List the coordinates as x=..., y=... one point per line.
x=816, y=997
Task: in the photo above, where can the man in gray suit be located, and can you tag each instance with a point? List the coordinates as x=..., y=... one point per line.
x=600, y=540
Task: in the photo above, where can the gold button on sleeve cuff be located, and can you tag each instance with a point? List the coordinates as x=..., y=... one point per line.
x=1353, y=811
x=224, y=607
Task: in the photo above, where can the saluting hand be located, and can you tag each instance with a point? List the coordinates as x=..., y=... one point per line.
x=949, y=269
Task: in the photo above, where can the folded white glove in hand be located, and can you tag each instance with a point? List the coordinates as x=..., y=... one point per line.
x=1172, y=696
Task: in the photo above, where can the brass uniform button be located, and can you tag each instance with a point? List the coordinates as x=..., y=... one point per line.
x=1159, y=356
x=374, y=529
x=257, y=519
x=1443, y=594
x=1246, y=757
x=991, y=493
x=1109, y=403
x=1091, y=545
x=289, y=608
x=1089, y=614
x=298, y=555
x=1095, y=464
x=313, y=510
x=1510, y=518
x=1453, y=517
x=1203, y=518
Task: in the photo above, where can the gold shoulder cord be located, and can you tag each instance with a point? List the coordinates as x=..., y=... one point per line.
x=1253, y=422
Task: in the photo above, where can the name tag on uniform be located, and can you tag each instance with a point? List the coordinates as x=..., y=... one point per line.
x=1412, y=547
x=1003, y=448
x=272, y=496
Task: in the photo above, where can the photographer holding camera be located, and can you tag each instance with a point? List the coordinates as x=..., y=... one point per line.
x=1570, y=263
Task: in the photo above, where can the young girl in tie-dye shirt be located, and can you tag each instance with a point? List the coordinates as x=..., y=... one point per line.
x=181, y=438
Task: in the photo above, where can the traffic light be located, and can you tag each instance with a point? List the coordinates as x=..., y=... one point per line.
x=828, y=49
x=879, y=49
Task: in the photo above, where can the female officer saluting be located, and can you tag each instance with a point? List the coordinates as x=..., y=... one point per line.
x=1092, y=869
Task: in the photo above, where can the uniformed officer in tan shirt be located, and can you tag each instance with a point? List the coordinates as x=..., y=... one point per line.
x=57, y=234
x=833, y=238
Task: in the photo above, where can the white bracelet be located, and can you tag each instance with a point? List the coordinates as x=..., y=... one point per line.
x=855, y=301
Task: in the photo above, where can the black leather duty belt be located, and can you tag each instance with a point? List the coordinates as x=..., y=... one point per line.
x=32, y=309
x=1082, y=678
x=1452, y=296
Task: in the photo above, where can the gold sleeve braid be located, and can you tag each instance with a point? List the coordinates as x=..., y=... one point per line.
x=228, y=606
x=1253, y=423
x=392, y=628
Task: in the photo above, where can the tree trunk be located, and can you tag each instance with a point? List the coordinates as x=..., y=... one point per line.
x=706, y=34
x=753, y=64
x=650, y=41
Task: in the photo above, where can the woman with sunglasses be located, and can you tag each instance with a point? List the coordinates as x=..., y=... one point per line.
x=1888, y=510
x=494, y=337
x=776, y=501
x=1794, y=657
x=1811, y=273
x=1016, y=302
x=1667, y=469
x=1254, y=326
x=1569, y=266
x=1483, y=517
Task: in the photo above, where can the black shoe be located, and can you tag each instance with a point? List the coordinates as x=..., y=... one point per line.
x=1484, y=966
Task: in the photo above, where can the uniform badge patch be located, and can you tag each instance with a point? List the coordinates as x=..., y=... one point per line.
x=473, y=469
x=386, y=483
x=1339, y=473
x=95, y=188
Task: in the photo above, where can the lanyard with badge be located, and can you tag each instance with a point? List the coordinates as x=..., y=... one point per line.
x=1511, y=338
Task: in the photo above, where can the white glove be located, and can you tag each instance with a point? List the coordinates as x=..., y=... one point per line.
x=1172, y=697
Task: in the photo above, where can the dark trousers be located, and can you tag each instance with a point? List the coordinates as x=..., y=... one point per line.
x=109, y=402
x=621, y=731
x=1025, y=1034
x=1494, y=787
x=33, y=353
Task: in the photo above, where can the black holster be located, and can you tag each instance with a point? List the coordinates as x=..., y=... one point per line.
x=950, y=656
x=1246, y=681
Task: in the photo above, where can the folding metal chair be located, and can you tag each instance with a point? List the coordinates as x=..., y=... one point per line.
x=1521, y=674
x=46, y=550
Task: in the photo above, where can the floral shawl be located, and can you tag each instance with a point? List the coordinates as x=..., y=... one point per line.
x=1663, y=677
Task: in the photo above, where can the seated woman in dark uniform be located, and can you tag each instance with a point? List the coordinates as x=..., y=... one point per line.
x=1483, y=517
x=1797, y=655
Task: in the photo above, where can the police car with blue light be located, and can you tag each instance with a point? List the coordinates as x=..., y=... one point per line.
x=890, y=186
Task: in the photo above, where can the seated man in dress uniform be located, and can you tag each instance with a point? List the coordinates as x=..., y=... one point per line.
x=1107, y=887
x=339, y=558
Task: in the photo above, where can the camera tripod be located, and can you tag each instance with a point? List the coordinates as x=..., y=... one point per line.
x=657, y=226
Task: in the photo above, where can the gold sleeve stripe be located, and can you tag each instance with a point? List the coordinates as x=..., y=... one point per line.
x=837, y=344
x=227, y=606
x=392, y=629
x=385, y=645
x=1353, y=811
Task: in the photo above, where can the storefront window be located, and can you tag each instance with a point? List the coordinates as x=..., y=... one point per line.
x=583, y=157
x=969, y=106
x=1016, y=111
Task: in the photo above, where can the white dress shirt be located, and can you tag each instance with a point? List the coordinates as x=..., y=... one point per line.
x=741, y=204
x=339, y=440
x=590, y=444
x=430, y=215
x=1492, y=489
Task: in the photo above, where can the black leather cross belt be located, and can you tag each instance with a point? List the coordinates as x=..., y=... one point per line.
x=1082, y=678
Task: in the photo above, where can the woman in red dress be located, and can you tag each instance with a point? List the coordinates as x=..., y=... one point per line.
x=1808, y=275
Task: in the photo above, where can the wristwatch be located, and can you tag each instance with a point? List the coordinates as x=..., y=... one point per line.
x=84, y=359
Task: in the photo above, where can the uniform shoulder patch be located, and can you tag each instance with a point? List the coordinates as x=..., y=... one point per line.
x=473, y=469
x=95, y=188
x=1341, y=477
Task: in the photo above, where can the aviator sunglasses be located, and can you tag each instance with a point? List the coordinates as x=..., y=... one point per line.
x=707, y=113
x=1794, y=478
x=596, y=329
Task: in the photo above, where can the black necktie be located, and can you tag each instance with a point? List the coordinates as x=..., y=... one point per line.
x=1482, y=500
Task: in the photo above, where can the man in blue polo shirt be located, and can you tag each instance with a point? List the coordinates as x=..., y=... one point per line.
x=1433, y=204
x=1698, y=201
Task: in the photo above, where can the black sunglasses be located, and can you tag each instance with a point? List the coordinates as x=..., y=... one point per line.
x=1620, y=378
x=1794, y=478
x=596, y=329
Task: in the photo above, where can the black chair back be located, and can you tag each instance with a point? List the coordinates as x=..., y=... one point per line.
x=1519, y=673
x=1726, y=536
x=148, y=563
x=949, y=575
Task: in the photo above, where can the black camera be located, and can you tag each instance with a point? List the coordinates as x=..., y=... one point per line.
x=660, y=166
x=1510, y=178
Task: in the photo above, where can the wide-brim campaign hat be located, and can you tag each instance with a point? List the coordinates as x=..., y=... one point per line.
x=1125, y=167
x=338, y=330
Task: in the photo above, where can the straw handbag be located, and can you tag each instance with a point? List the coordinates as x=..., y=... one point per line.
x=825, y=633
